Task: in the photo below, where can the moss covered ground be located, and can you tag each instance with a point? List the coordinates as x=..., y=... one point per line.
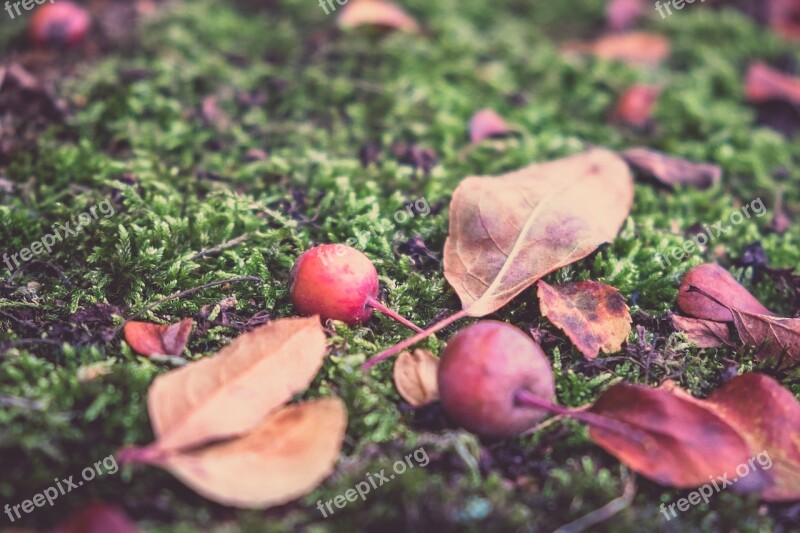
x=325, y=109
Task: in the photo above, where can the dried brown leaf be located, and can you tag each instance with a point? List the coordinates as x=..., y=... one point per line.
x=704, y=333
x=487, y=124
x=636, y=105
x=506, y=232
x=672, y=171
x=285, y=457
x=637, y=48
x=773, y=337
x=765, y=83
x=415, y=377
x=621, y=15
x=229, y=393
x=593, y=315
x=153, y=339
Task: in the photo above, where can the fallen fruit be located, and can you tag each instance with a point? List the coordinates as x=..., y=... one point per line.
x=338, y=282
x=60, y=23
x=483, y=369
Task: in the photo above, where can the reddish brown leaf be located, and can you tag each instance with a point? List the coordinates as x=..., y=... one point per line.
x=98, y=518
x=382, y=13
x=285, y=457
x=768, y=416
x=672, y=171
x=415, y=377
x=773, y=337
x=506, y=232
x=704, y=333
x=636, y=105
x=621, y=15
x=152, y=339
x=637, y=48
x=765, y=83
x=718, y=283
x=486, y=124
x=670, y=437
x=593, y=315
x=228, y=394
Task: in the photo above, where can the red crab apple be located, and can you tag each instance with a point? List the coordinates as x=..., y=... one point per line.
x=484, y=370
x=339, y=282
x=59, y=23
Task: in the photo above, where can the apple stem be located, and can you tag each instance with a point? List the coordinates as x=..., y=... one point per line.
x=397, y=348
x=529, y=399
x=378, y=306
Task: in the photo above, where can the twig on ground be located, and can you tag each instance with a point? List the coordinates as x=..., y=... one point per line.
x=602, y=514
x=220, y=247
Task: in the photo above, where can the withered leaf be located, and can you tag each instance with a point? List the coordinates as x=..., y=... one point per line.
x=784, y=17
x=670, y=438
x=415, y=377
x=381, y=13
x=672, y=171
x=153, y=339
x=718, y=283
x=285, y=457
x=765, y=83
x=486, y=124
x=593, y=315
x=636, y=105
x=768, y=417
x=704, y=333
x=227, y=394
x=773, y=337
x=637, y=48
x=506, y=232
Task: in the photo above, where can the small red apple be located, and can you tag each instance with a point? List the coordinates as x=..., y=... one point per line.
x=59, y=23
x=481, y=373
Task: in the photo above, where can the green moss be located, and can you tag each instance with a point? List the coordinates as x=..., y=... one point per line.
x=285, y=83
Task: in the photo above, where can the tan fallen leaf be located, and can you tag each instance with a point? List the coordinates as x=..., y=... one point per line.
x=382, y=13
x=415, y=377
x=636, y=105
x=506, y=232
x=672, y=171
x=636, y=48
x=149, y=339
x=594, y=316
x=720, y=285
x=283, y=458
x=227, y=394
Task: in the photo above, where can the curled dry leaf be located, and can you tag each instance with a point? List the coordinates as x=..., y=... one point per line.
x=670, y=438
x=637, y=48
x=636, y=105
x=773, y=337
x=507, y=232
x=382, y=13
x=718, y=283
x=415, y=377
x=97, y=518
x=593, y=315
x=765, y=83
x=486, y=124
x=152, y=339
x=704, y=333
x=229, y=393
x=285, y=457
x=672, y=171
